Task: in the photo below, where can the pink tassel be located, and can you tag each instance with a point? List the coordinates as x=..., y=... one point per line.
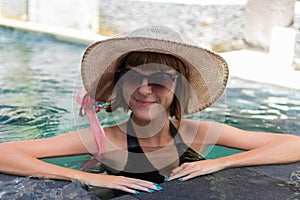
x=88, y=106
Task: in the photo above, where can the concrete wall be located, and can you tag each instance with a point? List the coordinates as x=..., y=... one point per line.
x=77, y=14
x=14, y=9
x=212, y=23
x=207, y=21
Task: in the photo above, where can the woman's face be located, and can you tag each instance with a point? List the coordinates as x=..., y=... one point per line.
x=148, y=90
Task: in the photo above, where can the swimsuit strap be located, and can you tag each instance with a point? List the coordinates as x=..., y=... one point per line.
x=186, y=154
x=181, y=146
x=132, y=141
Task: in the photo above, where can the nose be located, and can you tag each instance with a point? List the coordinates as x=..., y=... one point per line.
x=145, y=88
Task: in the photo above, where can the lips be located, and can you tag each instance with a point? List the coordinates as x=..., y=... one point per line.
x=144, y=102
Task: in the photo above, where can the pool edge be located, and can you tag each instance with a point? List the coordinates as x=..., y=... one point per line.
x=60, y=33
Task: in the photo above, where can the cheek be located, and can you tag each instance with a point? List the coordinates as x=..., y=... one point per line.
x=167, y=100
x=126, y=96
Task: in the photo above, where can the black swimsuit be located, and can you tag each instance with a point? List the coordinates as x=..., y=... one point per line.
x=138, y=160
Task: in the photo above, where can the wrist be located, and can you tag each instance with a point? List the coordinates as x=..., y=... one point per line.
x=79, y=176
x=226, y=162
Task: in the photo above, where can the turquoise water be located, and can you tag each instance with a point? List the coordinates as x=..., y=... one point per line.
x=39, y=76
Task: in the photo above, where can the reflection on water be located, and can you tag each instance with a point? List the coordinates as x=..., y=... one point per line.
x=36, y=73
x=39, y=76
x=262, y=107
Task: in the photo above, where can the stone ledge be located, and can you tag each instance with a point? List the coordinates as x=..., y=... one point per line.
x=273, y=182
x=17, y=187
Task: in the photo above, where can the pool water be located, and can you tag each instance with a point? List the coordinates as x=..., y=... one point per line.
x=39, y=77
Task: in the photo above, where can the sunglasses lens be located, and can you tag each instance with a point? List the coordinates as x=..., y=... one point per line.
x=159, y=81
x=131, y=79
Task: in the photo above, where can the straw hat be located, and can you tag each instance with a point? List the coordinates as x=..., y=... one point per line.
x=208, y=71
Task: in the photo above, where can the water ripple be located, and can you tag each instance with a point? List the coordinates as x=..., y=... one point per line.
x=29, y=122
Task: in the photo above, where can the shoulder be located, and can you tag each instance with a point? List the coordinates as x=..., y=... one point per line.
x=191, y=130
x=116, y=135
x=200, y=132
x=116, y=131
x=193, y=133
x=201, y=127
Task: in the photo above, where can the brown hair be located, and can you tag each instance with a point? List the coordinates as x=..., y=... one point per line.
x=139, y=58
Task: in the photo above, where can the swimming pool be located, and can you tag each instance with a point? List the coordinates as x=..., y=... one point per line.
x=39, y=77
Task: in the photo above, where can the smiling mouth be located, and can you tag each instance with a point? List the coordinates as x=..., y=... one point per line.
x=145, y=103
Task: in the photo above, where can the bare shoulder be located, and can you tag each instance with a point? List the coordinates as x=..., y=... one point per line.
x=116, y=135
x=192, y=133
x=199, y=134
x=196, y=126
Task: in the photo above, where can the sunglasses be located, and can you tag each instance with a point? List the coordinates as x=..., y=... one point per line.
x=159, y=81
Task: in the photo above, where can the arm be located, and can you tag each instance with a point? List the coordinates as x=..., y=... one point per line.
x=22, y=158
x=261, y=149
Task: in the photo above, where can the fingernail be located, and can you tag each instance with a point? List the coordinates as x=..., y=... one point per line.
x=158, y=187
x=167, y=179
x=180, y=179
x=150, y=190
x=137, y=192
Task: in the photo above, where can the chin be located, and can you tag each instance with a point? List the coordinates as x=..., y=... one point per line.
x=149, y=114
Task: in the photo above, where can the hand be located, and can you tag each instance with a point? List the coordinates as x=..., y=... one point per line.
x=192, y=169
x=130, y=185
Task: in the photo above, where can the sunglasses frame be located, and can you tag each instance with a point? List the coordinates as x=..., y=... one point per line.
x=122, y=72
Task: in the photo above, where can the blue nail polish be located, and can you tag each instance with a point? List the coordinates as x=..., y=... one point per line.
x=158, y=187
x=167, y=179
x=180, y=179
x=137, y=192
x=150, y=190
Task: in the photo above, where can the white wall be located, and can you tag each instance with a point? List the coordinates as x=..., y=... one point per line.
x=78, y=14
x=263, y=15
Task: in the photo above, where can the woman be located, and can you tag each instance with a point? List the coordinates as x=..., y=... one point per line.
x=159, y=77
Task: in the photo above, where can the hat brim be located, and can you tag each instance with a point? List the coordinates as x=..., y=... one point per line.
x=208, y=71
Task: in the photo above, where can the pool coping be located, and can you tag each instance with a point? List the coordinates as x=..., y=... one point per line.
x=274, y=182
x=60, y=33
x=261, y=67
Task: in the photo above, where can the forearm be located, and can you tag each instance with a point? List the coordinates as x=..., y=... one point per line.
x=281, y=150
x=17, y=162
